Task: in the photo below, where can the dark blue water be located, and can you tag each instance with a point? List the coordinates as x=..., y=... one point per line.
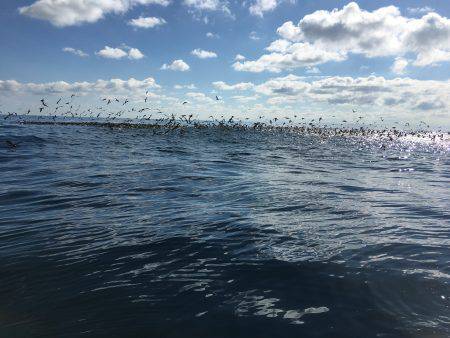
x=123, y=233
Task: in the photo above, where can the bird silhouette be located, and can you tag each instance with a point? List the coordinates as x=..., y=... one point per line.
x=11, y=144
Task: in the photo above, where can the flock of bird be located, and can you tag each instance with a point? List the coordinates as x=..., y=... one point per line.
x=68, y=112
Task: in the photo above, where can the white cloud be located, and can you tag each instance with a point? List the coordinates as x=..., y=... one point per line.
x=254, y=36
x=147, y=22
x=279, y=46
x=199, y=97
x=188, y=86
x=135, y=54
x=177, y=65
x=403, y=94
x=203, y=54
x=238, y=86
x=325, y=36
x=112, y=53
x=62, y=13
x=76, y=52
x=119, y=53
x=212, y=35
x=208, y=5
x=431, y=57
x=288, y=85
x=295, y=56
x=239, y=57
x=399, y=65
x=419, y=10
x=258, y=7
x=60, y=87
x=289, y=31
x=430, y=105
x=244, y=98
x=312, y=70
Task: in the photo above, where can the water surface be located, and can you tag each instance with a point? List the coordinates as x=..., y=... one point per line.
x=219, y=233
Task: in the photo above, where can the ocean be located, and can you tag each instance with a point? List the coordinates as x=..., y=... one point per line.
x=221, y=233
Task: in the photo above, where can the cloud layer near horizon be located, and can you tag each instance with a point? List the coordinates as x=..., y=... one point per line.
x=399, y=93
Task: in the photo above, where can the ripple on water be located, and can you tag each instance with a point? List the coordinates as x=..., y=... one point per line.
x=221, y=233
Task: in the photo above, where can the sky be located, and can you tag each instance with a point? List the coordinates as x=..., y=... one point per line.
x=260, y=57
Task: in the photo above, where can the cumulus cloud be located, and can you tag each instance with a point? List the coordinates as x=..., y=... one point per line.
x=74, y=51
x=430, y=105
x=203, y=54
x=288, y=85
x=238, y=86
x=135, y=54
x=177, y=65
x=239, y=57
x=147, y=22
x=187, y=86
x=119, y=53
x=61, y=87
x=402, y=93
x=296, y=55
x=325, y=36
x=212, y=35
x=399, y=65
x=112, y=53
x=208, y=5
x=419, y=10
x=62, y=13
x=279, y=46
x=199, y=97
x=258, y=7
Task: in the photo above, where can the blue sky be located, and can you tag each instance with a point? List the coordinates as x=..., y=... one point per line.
x=384, y=60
